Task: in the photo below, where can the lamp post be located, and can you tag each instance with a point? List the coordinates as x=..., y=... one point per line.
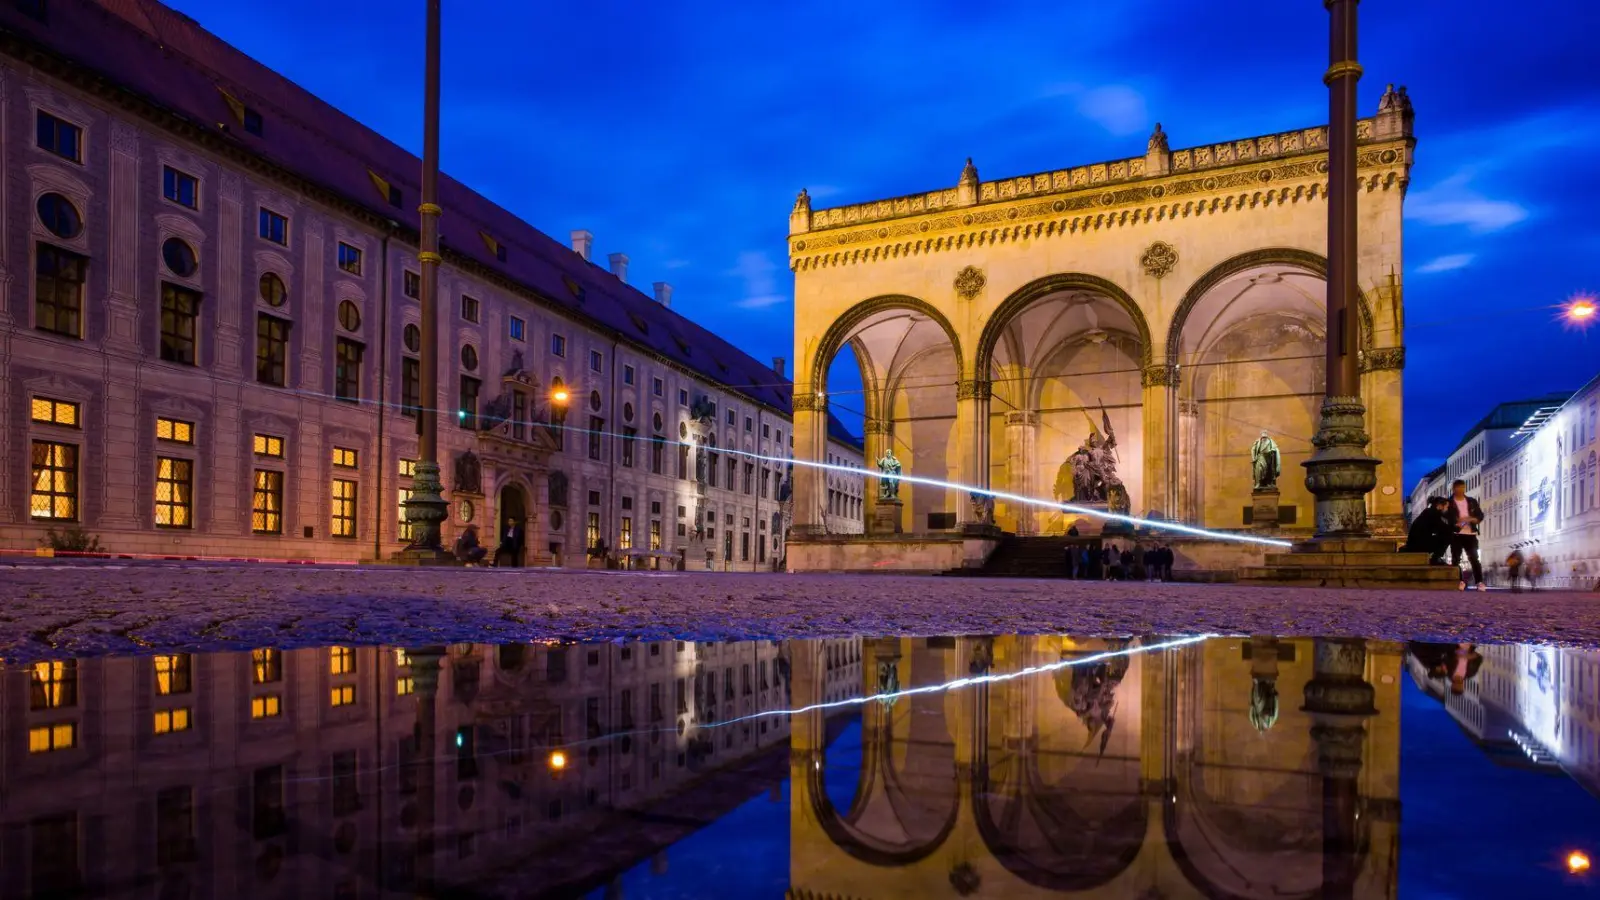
x=1340, y=473
x=426, y=509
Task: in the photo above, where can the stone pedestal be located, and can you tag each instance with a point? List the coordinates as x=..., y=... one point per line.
x=886, y=517
x=1356, y=563
x=1264, y=509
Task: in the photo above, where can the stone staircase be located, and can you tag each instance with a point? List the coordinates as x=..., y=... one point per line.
x=1023, y=557
x=1350, y=564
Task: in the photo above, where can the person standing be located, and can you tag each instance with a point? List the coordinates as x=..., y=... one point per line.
x=1463, y=515
x=1126, y=570
x=1072, y=562
x=1167, y=558
x=1514, y=570
x=1109, y=562
x=510, y=544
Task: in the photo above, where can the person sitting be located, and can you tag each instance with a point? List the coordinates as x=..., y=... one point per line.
x=467, y=548
x=1430, y=532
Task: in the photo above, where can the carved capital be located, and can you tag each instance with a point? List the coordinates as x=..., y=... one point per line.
x=1159, y=259
x=969, y=282
x=1159, y=376
x=877, y=426
x=810, y=401
x=1023, y=417
x=1383, y=358
x=976, y=389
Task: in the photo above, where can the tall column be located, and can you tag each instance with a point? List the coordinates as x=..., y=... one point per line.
x=1022, y=465
x=972, y=453
x=1160, y=383
x=1383, y=371
x=810, y=445
x=11, y=466
x=1191, y=464
x=1339, y=473
x=1339, y=702
x=425, y=666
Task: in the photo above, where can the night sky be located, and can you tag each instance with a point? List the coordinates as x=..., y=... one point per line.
x=679, y=133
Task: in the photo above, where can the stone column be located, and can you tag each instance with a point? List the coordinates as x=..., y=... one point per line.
x=1191, y=464
x=425, y=666
x=972, y=442
x=1022, y=465
x=810, y=445
x=224, y=470
x=536, y=547
x=1160, y=383
x=878, y=437
x=1382, y=375
x=124, y=481
x=9, y=431
x=1338, y=700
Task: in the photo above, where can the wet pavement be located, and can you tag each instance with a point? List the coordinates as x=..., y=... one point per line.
x=862, y=767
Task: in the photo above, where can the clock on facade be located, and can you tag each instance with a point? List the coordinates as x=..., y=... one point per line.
x=466, y=510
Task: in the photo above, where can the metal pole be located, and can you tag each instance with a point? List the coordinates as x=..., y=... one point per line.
x=426, y=509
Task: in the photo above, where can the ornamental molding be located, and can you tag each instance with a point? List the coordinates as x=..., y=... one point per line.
x=809, y=402
x=969, y=282
x=877, y=426
x=1159, y=259
x=1159, y=376
x=974, y=390
x=1383, y=359
x=937, y=228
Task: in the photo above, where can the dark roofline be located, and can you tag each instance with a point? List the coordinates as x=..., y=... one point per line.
x=1558, y=399
x=94, y=82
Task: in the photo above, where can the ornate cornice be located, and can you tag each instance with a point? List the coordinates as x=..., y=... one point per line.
x=1383, y=359
x=974, y=390
x=810, y=402
x=1159, y=376
x=904, y=228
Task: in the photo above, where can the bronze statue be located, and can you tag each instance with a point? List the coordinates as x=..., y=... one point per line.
x=889, y=476
x=1264, y=463
x=1094, y=464
x=469, y=475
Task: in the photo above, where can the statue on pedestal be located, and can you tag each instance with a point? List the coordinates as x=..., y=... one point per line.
x=1264, y=463
x=1093, y=464
x=889, y=485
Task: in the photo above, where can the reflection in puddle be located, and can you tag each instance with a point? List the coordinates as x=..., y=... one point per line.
x=899, y=767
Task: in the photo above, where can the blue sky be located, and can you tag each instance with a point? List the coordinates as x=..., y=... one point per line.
x=679, y=134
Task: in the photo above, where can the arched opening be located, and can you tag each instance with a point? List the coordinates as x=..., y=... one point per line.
x=511, y=535
x=1065, y=355
x=888, y=369
x=1250, y=342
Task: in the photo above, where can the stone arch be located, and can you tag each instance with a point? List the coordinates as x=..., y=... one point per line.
x=1041, y=287
x=1306, y=260
x=833, y=340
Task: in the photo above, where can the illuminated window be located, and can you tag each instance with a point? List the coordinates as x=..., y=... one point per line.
x=405, y=532
x=54, y=481
x=344, y=508
x=655, y=534
x=268, y=445
x=402, y=658
x=592, y=530
x=55, y=412
x=267, y=666
x=266, y=706
x=344, y=456
x=174, y=430
x=403, y=685
x=53, y=685
x=341, y=660
x=171, y=720
x=343, y=695
x=174, y=493
x=174, y=674
x=45, y=738
x=266, y=514
x=625, y=539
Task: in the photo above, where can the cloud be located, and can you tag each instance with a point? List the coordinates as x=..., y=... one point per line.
x=675, y=264
x=1446, y=263
x=1453, y=202
x=757, y=270
x=1117, y=108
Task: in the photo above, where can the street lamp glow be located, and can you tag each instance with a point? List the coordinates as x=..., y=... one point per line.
x=1581, y=311
x=558, y=761
x=1577, y=862
x=560, y=396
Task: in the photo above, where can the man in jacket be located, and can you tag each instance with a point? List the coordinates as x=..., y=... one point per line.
x=1430, y=533
x=1463, y=515
x=510, y=548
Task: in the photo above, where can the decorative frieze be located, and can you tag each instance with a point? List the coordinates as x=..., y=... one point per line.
x=809, y=401
x=1383, y=359
x=1159, y=376
x=975, y=389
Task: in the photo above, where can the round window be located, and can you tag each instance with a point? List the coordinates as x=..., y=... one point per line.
x=179, y=257
x=466, y=510
x=413, y=338
x=627, y=412
x=349, y=316
x=594, y=400
x=469, y=358
x=60, y=216
x=272, y=290
x=556, y=521
x=658, y=421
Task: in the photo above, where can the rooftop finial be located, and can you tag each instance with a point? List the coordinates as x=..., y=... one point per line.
x=969, y=173
x=1395, y=100
x=1158, y=141
x=802, y=203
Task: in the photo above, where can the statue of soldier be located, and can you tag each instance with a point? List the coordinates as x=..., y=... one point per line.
x=889, y=486
x=1264, y=464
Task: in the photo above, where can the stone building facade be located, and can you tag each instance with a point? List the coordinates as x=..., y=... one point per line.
x=210, y=332
x=1175, y=299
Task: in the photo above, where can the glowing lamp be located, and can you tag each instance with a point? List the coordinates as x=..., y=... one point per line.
x=1581, y=311
x=1577, y=862
x=558, y=761
x=560, y=396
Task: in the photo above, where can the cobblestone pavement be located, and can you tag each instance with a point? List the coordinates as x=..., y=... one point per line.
x=60, y=609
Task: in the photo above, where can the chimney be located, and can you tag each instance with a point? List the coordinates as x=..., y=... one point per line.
x=664, y=294
x=778, y=365
x=619, y=265
x=582, y=242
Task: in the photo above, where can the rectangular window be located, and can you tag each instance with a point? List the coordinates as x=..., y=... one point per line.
x=518, y=329
x=60, y=137
x=342, y=695
x=766, y=431
x=658, y=455
x=683, y=397
x=174, y=493
x=627, y=375
x=411, y=284
x=558, y=345
x=596, y=361
x=346, y=785
x=252, y=122
x=628, y=435
x=180, y=312
x=733, y=473
x=655, y=534
x=625, y=539
x=168, y=721
x=266, y=706
x=273, y=227
x=55, y=481
x=467, y=417
x=341, y=661
x=344, y=457
x=268, y=445
x=347, y=369
x=266, y=511
x=53, y=685
x=174, y=674
x=350, y=258
x=174, y=430
x=749, y=425
x=180, y=187
x=469, y=308
x=344, y=508
x=55, y=412
x=175, y=826
x=267, y=817
x=408, y=468
x=683, y=461
x=266, y=665
x=749, y=478
x=733, y=418
x=658, y=387
x=59, y=277
x=404, y=531
x=272, y=349
x=591, y=532
x=596, y=425
x=47, y=738
x=410, y=386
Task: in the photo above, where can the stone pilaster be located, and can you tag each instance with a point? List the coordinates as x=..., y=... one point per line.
x=811, y=445
x=226, y=473
x=1190, y=464
x=1160, y=383
x=1382, y=384
x=12, y=468
x=124, y=481
x=315, y=310
x=972, y=437
x=309, y=482
x=232, y=318
x=1022, y=467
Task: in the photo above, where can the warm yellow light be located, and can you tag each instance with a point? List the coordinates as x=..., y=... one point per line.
x=558, y=761
x=560, y=395
x=1577, y=862
x=1581, y=311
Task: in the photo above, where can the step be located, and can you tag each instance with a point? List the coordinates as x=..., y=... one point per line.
x=1347, y=559
x=1351, y=545
x=1434, y=577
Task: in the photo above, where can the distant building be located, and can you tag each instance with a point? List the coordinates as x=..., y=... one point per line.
x=210, y=337
x=1490, y=437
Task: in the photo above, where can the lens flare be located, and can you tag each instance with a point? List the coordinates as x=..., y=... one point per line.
x=558, y=761
x=1577, y=862
x=1581, y=311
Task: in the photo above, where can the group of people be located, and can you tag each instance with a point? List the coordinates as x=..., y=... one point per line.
x=1130, y=563
x=470, y=552
x=1451, y=524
